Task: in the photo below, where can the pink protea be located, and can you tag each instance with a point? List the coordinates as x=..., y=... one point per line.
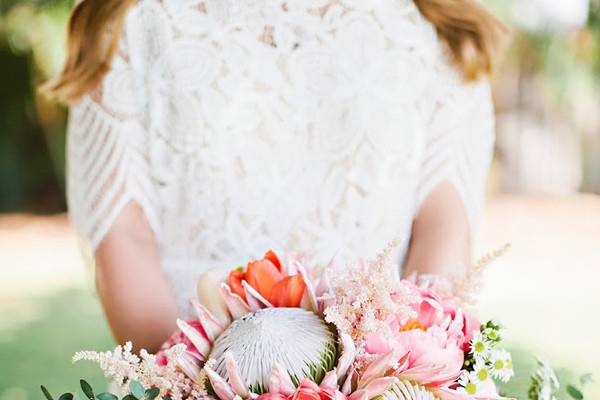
x=179, y=337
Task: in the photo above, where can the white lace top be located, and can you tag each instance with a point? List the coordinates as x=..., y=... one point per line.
x=312, y=126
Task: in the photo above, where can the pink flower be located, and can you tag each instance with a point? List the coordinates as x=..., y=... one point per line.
x=433, y=310
x=177, y=338
x=430, y=348
x=308, y=390
x=271, y=396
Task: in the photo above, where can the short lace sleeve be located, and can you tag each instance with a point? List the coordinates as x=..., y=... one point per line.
x=107, y=153
x=459, y=138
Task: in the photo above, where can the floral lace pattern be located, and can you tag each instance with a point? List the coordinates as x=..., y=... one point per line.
x=239, y=125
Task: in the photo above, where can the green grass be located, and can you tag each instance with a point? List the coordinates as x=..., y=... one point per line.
x=39, y=351
x=38, y=336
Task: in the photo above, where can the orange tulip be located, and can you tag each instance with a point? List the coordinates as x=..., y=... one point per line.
x=235, y=283
x=271, y=256
x=262, y=275
x=288, y=292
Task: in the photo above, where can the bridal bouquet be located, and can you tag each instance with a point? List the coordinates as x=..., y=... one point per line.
x=287, y=331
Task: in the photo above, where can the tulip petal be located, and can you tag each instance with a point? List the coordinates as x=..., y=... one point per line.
x=236, y=306
x=359, y=395
x=348, y=355
x=288, y=292
x=211, y=325
x=233, y=373
x=253, y=295
x=379, y=385
x=262, y=275
x=280, y=381
x=219, y=385
x=199, y=341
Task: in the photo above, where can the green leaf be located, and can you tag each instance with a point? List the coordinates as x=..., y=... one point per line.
x=136, y=389
x=106, y=396
x=46, y=392
x=130, y=397
x=585, y=378
x=87, y=389
x=574, y=392
x=152, y=393
x=66, y=396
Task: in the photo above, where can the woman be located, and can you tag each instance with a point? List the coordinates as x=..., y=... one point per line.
x=203, y=132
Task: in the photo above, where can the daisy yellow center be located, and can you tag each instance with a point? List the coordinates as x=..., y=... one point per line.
x=471, y=388
x=499, y=364
x=482, y=374
x=479, y=347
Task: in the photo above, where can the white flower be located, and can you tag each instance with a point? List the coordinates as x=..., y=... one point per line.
x=544, y=383
x=468, y=380
x=480, y=347
x=501, y=365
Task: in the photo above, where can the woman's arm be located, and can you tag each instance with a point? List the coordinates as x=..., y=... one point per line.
x=440, y=234
x=136, y=298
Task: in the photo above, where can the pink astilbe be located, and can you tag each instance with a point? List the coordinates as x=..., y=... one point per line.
x=362, y=299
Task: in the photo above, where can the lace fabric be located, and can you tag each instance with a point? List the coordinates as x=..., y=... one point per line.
x=309, y=126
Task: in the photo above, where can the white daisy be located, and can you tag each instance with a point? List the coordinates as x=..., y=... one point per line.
x=468, y=381
x=501, y=365
x=480, y=347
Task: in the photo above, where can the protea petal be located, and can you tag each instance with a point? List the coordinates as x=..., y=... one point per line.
x=189, y=365
x=211, y=325
x=255, y=300
x=379, y=385
x=359, y=395
x=235, y=380
x=280, y=381
x=348, y=355
x=423, y=374
x=330, y=380
x=310, y=290
x=347, y=386
x=236, y=306
x=378, y=367
x=405, y=390
x=209, y=296
x=199, y=341
x=219, y=385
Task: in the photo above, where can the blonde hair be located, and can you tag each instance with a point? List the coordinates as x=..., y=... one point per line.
x=472, y=34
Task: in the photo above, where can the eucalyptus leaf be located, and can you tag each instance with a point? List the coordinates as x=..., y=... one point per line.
x=46, y=393
x=87, y=389
x=136, y=389
x=106, y=396
x=585, y=378
x=574, y=392
x=152, y=393
x=66, y=396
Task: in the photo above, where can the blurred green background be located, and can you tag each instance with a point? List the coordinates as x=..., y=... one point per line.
x=543, y=197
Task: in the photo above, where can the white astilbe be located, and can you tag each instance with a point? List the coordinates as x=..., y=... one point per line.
x=122, y=366
x=363, y=297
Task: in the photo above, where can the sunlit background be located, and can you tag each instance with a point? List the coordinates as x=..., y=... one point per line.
x=543, y=199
